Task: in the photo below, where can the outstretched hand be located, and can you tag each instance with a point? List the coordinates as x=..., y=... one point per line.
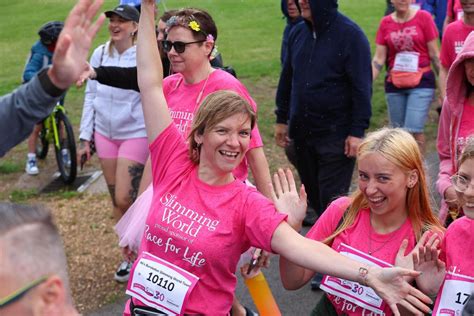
x=426, y=260
x=286, y=198
x=74, y=42
x=391, y=286
x=427, y=239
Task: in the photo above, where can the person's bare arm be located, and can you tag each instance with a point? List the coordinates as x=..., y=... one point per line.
x=150, y=74
x=379, y=60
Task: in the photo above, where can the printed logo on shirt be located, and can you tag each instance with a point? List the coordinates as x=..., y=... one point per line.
x=458, y=45
x=403, y=39
x=349, y=307
x=183, y=120
x=180, y=222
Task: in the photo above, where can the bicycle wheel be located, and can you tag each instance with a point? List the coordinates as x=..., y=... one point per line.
x=42, y=144
x=66, y=152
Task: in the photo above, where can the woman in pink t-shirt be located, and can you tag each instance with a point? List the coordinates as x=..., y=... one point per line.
x=456, y=123
x=407, y=43
x=380, y=223
x=203, y=218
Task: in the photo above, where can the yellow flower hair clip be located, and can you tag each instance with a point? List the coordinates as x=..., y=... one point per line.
x=194, y=26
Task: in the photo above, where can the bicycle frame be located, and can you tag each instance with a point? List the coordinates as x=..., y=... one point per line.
x=52, y=127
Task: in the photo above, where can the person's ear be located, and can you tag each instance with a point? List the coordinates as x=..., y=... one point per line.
x=209, y=47
x=412, y=178
x=50, y=297
x=198, y=138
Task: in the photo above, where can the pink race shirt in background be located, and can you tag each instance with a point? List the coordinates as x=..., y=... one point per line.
x=453, y=41
x=384, y=247
x=411, y=36
x=184, y=99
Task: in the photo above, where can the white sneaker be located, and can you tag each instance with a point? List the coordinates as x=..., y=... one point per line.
x=32, y=166
x=123, y=271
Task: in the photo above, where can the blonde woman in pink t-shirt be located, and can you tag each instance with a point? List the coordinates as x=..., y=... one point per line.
x=203, y=218
x=381, y=222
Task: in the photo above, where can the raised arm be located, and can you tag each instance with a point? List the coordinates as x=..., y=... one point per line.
x=150, y=74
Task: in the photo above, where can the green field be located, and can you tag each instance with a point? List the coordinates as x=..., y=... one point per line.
x=249, y=40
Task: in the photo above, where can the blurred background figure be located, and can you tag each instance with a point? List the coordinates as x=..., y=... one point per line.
x=407, y=43
x=456, y=123
x=41, y=55
x=113, y=118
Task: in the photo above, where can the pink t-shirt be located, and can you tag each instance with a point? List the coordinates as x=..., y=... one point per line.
x=466, y=127
x=453, y=41
x=384, y=247
x=210, y=225
x=454, y=10
x=183, y=100
x=457, y=247
x=411, y=36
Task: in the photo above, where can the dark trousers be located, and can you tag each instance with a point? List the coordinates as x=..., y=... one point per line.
x=324, y=170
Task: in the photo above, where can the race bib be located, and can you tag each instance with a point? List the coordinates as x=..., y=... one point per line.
x=160, y=284
x=454, y=294
x=352, y=291
x=406, y=61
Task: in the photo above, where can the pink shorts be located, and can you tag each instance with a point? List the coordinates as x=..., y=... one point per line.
x=135, y=149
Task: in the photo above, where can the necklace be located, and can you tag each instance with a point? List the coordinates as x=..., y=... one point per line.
x=384, y=243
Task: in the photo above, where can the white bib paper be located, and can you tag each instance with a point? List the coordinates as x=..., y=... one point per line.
x=406, y=61
x=160, y=284
x=454, y=294
x=352, y=291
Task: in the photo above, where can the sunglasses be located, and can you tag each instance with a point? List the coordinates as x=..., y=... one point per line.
x=18, y=294
x=179, y=46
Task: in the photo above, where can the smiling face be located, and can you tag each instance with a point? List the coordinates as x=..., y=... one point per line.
x=121, y=29
x=384, y=185
x=224, y=145
x=466, y=198
x=193, y=56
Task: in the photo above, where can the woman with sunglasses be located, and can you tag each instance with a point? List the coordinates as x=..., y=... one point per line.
x=187, y=263
x=456, y=123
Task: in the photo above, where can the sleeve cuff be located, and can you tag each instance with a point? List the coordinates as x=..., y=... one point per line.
x=47, y=85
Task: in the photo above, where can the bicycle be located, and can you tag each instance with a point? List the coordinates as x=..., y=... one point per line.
x=58, y=130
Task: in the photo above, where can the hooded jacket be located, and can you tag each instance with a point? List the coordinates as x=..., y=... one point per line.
x=289, y=25
x=450, y=119
x=326, y=81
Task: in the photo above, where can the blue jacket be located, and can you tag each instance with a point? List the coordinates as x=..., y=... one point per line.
x=326, y=82
x=40, y=57
x=289, y=25
x=438, y=9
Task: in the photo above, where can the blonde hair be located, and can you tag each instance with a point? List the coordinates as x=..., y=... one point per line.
x=112, y=44
x=215, y=108
x=400, y=148
x=468, y=151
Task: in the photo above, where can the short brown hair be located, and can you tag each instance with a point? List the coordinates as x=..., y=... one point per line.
x=184, y=16
x=215, y=108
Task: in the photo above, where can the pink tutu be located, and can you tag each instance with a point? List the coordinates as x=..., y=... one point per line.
x=131, y=226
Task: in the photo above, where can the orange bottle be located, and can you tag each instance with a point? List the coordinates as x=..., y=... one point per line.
x=262, y=295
